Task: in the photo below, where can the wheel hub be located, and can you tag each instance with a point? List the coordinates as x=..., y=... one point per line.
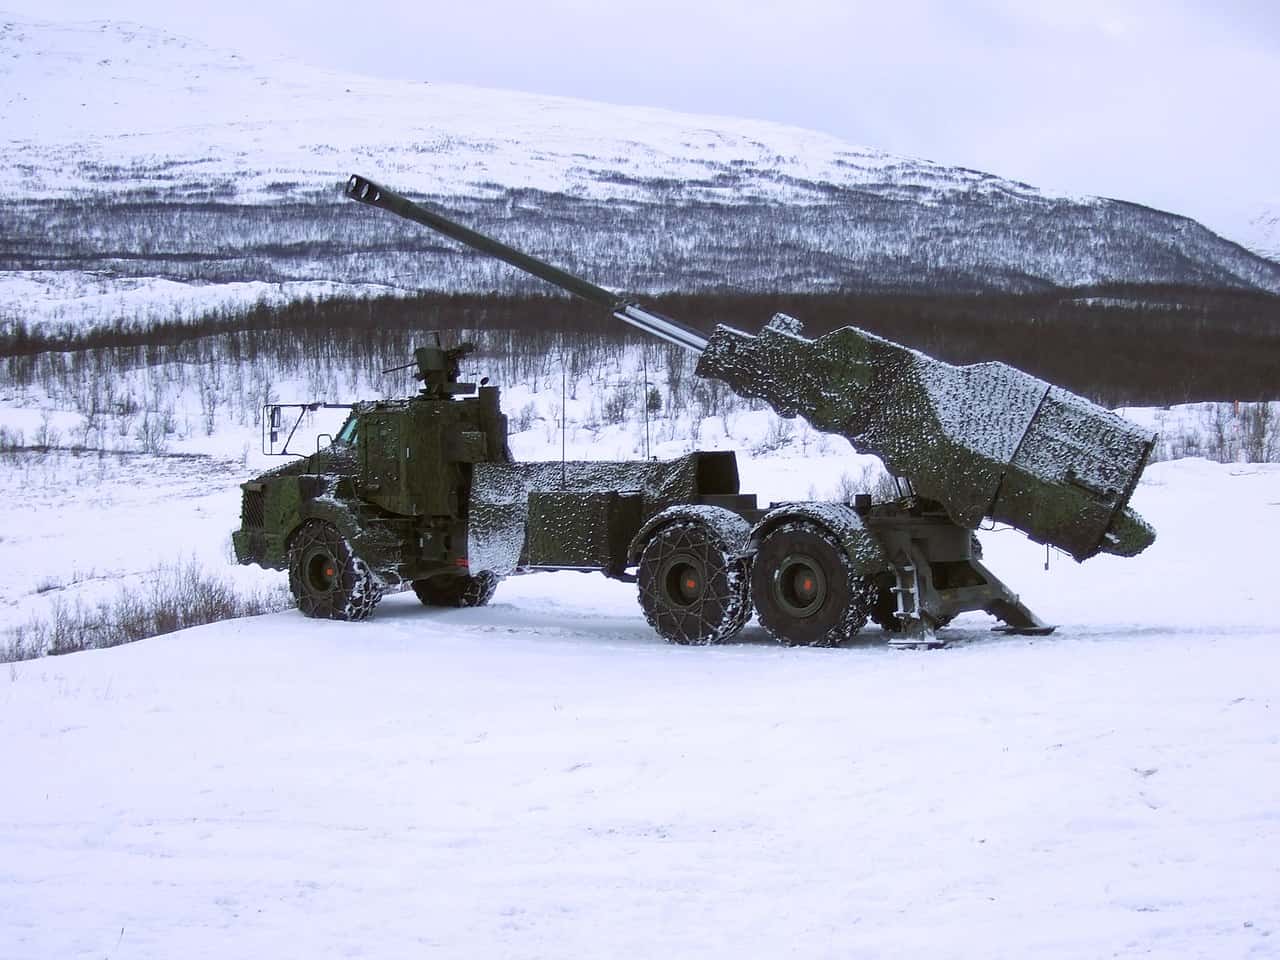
x=799, y=585
x=683, y=580
x=321, y=572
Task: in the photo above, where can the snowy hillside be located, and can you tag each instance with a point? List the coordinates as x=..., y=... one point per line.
x=131, y=153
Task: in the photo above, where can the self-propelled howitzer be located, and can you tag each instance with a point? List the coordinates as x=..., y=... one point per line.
x=982, y=441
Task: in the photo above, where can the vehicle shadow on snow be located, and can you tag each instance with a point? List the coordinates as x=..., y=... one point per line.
x=571, y=622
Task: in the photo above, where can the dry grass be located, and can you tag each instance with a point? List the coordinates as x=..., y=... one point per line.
x=176, y=596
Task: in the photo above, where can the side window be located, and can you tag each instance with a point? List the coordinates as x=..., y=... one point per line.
x=350, y=430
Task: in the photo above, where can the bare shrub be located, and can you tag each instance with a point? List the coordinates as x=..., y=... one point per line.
x=1223, y=432
x=45, y=584
x=777, y=436
x=151, y=434
x=175, y=596
x=1218, y=428
x=617, y=405
x=884, y=487
x=871, y=479
x=18, y=646
x=525, y=419
x=1260, y=432
x=47, y=435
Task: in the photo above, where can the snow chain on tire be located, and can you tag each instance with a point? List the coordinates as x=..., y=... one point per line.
x=326, y=577
x=692, y=590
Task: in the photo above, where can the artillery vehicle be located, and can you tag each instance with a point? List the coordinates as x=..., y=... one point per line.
x=424, y=491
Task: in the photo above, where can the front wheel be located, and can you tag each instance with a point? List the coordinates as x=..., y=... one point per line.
x=327, y=579
x=803, y=587
x=692, y=590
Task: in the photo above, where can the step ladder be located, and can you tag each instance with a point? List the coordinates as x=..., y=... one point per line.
x=906, y=590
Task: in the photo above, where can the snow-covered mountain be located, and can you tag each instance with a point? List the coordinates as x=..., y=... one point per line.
x=139, y=153
x=1265, y=227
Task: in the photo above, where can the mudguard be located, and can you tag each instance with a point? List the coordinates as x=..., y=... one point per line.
x=731, y=530
x=841, y=521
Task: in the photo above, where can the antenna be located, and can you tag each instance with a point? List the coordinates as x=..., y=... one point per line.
x=644, y=397
x=564, y=402
x=564, y=409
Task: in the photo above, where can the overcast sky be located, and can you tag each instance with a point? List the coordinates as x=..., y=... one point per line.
x=1173, y=103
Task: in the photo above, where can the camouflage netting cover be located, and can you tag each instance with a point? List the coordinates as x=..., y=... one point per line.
x=500, y=494
x=985, y=440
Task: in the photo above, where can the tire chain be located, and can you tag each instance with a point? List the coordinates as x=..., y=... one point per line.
x=692, y=538
x=360, y=591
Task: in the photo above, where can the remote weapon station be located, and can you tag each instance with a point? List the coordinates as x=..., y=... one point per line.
x=423, y=491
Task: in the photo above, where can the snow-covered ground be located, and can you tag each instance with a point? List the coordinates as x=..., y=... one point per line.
x=546, y=778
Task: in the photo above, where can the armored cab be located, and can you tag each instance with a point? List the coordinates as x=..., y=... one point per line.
x=386, y=502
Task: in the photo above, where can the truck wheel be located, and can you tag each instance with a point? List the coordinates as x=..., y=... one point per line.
x=327, y=579
x=455, y=591
x=691, y=589
x=804, y=589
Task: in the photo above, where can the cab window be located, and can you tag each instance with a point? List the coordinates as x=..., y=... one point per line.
x=349, y=430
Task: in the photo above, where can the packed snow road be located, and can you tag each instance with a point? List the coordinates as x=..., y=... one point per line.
x=546, y=778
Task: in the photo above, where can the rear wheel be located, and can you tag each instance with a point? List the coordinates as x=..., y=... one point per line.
x=327, y=579
x=803, y=587
x=692, y=590
x=457, y=591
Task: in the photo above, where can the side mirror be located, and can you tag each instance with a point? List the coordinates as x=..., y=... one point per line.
x=273, y=420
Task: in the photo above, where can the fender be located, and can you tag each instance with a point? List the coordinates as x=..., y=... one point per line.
x=730, y=530
x=841, y=521
x=329, y=510
x=284, y=497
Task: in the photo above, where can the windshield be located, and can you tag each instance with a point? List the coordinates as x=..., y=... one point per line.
x=348, y=432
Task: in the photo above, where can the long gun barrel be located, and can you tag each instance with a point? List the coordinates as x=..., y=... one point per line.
x=984, y=440
x=366, y=191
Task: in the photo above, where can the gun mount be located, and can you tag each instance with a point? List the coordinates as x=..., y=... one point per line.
x=983, y=441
